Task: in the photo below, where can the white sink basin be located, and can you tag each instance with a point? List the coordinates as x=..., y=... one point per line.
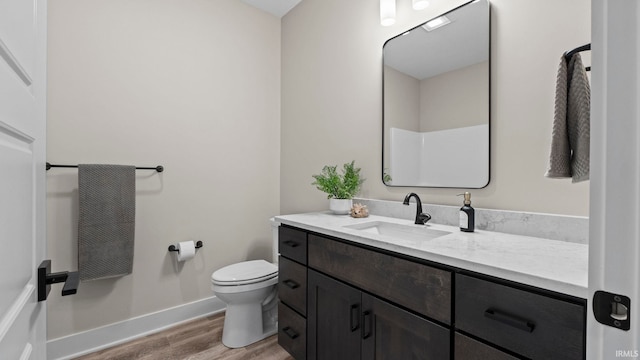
x=401, y=231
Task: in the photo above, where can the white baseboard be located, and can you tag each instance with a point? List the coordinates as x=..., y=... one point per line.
x=85, y=342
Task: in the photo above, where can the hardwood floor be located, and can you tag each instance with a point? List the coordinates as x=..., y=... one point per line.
x=200, y=339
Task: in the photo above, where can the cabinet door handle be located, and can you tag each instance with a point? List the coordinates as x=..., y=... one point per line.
x=290, y=332
x=511, y=320
x=366, y=329
x=355, y=317
x=291, y=243
x=291, y=284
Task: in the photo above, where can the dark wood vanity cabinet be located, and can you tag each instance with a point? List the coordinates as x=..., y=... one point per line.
x=347, y=323
x=359, y=303
x=340, y=300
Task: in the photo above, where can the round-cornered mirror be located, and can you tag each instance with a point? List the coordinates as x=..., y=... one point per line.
x=436, y=90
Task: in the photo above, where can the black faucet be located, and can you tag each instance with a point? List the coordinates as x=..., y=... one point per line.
x=421, y=218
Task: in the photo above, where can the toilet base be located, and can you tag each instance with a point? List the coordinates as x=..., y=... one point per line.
x=241, y=328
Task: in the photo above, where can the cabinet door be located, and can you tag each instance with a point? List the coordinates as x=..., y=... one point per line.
x=389, y=332
x=333, y=319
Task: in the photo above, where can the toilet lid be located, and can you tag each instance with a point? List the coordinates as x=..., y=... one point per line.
x=244, y=273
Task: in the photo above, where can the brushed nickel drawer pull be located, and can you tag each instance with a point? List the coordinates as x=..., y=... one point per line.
x=511, y=320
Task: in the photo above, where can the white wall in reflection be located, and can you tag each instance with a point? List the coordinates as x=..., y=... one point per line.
x=444, y=158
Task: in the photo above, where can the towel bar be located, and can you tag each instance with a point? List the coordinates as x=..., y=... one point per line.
x=174, y=248
x=158, y=168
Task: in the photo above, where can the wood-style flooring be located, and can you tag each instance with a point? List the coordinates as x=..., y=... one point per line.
x=199, y=339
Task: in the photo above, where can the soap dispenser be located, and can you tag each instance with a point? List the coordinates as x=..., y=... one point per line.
x=467, y=214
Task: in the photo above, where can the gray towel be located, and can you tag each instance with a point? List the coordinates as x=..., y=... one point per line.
x=106, y=223
x=570, y=138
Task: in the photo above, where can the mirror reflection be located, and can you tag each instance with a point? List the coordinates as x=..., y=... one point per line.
x=436, y=102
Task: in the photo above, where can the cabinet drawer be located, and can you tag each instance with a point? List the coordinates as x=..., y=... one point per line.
x=419, y=287
x=292, y=332
x=530, y=324
x=292, y=243
x=468, y=349
x=292, y=287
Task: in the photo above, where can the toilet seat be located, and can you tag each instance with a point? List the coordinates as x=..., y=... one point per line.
x=244, y=273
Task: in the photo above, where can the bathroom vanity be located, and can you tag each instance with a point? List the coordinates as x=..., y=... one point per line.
x=351, y=290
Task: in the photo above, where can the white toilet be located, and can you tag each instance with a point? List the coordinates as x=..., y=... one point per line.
x=249, y=290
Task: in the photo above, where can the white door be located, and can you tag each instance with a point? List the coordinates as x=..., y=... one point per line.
x=614, y=234
x=22, y=177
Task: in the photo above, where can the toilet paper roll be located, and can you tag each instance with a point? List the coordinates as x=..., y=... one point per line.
x=186, y=250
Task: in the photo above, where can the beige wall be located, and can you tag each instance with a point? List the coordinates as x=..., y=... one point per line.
x=331, y=100
x=193, y=85
x=455, y=99
x=402, y=96
x=402, y=100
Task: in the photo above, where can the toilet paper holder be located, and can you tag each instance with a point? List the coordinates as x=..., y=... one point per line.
x=174, y=248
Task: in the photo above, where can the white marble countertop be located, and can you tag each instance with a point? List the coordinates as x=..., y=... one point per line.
x=549, y=264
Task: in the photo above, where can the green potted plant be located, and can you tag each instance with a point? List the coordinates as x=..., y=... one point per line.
x=340, y=188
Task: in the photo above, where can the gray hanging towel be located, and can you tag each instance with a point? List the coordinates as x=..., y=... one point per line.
x=106, y=223
x=569, y=156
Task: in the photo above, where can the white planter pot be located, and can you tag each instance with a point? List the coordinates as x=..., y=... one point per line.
x=340, y=206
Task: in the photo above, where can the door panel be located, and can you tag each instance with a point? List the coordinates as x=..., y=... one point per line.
x=15, y=221
x=18, y=32
x=22, y=183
